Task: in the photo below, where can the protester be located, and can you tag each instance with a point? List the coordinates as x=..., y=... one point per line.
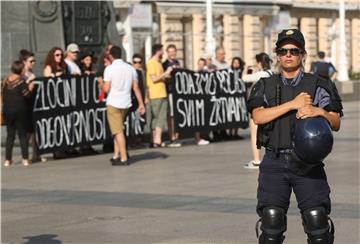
x=171, y=61
x=236, y=64
x=220, y=63
x=155, y=78
x=198, y=137
x=201, y=65
x=275, y=104
x=15, y=108
x=54, y=64
x=138, y=64
x=71, y=57
x=119, y=79
x=263, y=62
x=322, y=68
x=219, y=60
x=28, y=59
x=86, y=68
x=103, y=62
x=86, y=64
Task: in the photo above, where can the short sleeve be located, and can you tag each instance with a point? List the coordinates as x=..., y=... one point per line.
x=257, y=96
x=322, y=98
x=151, y=68
x=134, y=75
x=107, y=74
x=327, y=96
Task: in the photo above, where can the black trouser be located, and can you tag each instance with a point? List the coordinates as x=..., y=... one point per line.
x=277, y=180
x=16, y=122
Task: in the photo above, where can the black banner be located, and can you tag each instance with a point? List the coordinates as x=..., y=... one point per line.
x=206, y=101
x=67, y=112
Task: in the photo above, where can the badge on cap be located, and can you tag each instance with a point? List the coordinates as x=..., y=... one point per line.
x=289, y=32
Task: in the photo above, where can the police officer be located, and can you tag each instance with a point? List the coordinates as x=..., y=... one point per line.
x=322, y=68
x=275, y=104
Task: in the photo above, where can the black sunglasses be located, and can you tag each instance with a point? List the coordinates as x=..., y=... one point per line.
x=284, y=51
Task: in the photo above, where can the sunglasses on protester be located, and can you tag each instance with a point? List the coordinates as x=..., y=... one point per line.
x=137, y=62
x=284, y=51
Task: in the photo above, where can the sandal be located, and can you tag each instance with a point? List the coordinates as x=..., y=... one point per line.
x=39, y=159
x=7, y=163
x=156, y=145
x=26, y=162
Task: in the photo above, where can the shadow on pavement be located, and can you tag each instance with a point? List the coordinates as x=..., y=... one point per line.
x=147, y=156
x=44, y=239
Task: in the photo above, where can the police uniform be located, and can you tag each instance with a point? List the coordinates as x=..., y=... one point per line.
x=281, y=171
x=323, y=69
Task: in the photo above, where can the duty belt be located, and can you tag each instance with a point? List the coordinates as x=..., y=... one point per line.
x=283, y=154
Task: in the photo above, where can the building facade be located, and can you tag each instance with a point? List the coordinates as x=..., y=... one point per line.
x=245, y=28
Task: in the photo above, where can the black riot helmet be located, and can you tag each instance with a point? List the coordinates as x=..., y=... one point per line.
x=313, y=139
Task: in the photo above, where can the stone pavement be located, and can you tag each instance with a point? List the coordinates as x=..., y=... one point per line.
x=179, y=195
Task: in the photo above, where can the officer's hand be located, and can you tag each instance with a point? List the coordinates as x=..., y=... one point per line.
x=309, y=112
x=301, y=100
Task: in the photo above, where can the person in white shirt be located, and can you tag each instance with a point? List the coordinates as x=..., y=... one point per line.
x=263, y=63
x=71, y=54
x=119, y=79
x=219, y=60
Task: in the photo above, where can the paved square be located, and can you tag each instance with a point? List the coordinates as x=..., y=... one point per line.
x=185, y=195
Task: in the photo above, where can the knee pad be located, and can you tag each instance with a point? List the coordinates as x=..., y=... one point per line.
x=317, y=227
x=273, y=225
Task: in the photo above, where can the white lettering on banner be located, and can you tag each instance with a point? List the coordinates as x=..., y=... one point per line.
x=134, y=122
x=48, y=97
x=56, y=131
x=228, y=109
x=192, y=112
x=185, y=84
x=85, y=89
x=95, y=89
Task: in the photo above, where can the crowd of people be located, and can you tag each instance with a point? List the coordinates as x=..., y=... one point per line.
x=153, y=90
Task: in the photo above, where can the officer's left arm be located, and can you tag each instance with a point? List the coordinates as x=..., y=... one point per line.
x=320, y=102
x=332, y=72
x=312, y=111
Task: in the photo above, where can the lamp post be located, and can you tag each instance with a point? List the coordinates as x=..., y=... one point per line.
x=210, y=42
x=343, y=72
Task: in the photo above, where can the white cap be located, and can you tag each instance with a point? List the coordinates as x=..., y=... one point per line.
x=72, y=47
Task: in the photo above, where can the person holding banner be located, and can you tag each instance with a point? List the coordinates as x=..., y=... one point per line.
x=119, y=79
x=71, y=55
x=277, y=104
x=86, y=64
x=54, y=64
x=171, y=61
x=263, y=62
x=29, y=60
x=220, y=63
x=155, y=78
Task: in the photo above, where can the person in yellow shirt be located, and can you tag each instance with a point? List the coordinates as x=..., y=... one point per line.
x=155, y=78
